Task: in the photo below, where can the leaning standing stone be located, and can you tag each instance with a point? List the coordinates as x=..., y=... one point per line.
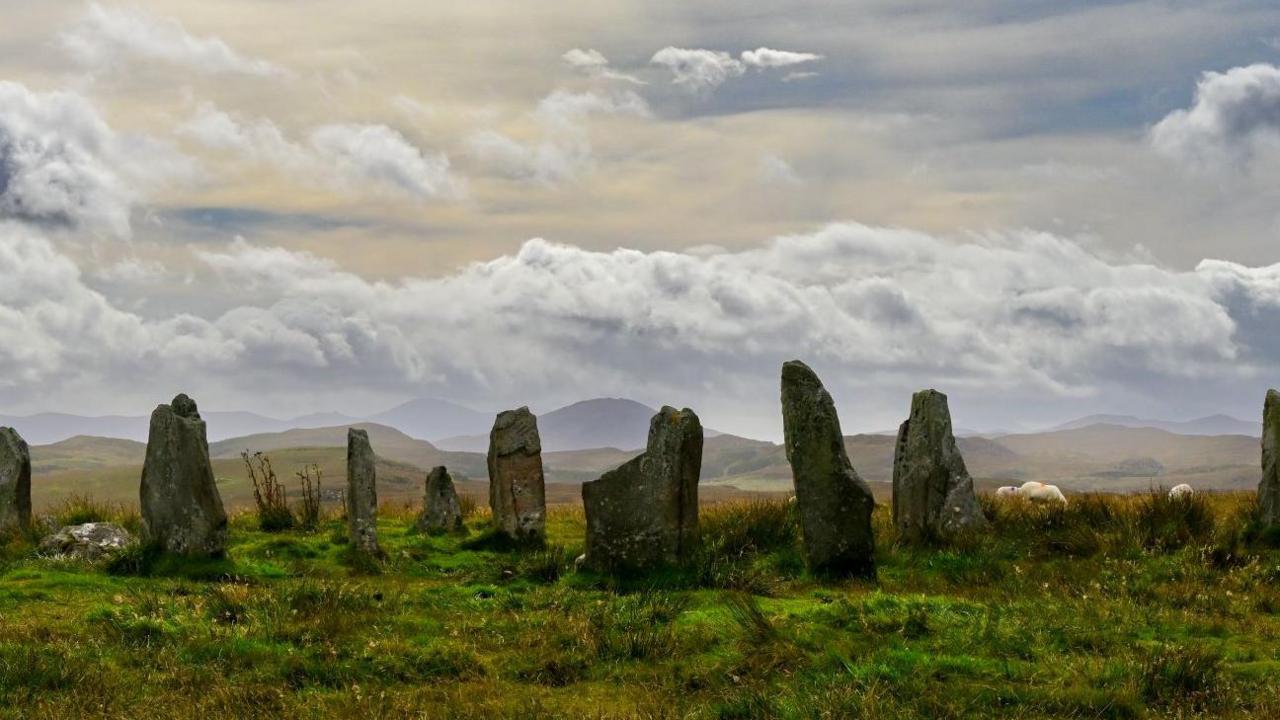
x=441, y=511
x=645, y=513
x=835, y=504
x=362, y=494
x=1269, y=488
x=932, y=491
x=517, y=493
x=15, y=482
x=181, y=508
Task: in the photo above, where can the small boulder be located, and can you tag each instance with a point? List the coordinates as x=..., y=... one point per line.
x=517, y=489
x=644, y=514
x=834, y=503
x=932, y=491
x=362, y=494
x=181, y=509
x=15, y=482
x=90, y=541
x=441, y=511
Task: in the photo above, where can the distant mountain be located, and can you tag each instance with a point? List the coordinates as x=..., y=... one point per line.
x=1209, y=425
x=46, y=428
x=615, y=423
x=387, y=442
x=320, y=420
x=433, y=419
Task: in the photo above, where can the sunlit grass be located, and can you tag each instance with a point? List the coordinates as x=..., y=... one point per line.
x=1114, y=607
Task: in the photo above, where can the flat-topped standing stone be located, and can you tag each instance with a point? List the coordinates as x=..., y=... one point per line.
x=645, y=513
x=1269, y=488
x=362, y=494
x=181, y=508
x=441, y=511
x=517, y=492
x=15, y=482
x=835, y=504
x=932, y=491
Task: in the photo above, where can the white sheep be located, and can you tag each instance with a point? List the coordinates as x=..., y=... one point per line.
x=1178, y=492
x=1006, y=491
x=1041, y=493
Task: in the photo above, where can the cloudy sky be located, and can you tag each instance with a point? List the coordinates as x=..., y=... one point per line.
x=290, y=207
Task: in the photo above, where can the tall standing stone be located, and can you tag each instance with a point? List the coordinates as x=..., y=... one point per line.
x=932, y=491
x=835, y=505
x=1269, y=488
x=441, y=511
x=362, y=494
x=181, y=508
x=15, y=482
x=645, y=513
x=517, y=493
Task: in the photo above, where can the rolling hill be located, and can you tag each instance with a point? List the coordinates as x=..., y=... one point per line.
x=1095, y=457
x=1209, y=425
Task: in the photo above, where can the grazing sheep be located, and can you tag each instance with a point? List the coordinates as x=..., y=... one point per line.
x=1178, y=492
x=1006, y=491
x=1041, y=493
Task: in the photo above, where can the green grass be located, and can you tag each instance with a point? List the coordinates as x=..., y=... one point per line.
x=1116, y=607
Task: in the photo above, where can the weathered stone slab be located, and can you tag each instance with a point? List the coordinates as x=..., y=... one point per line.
x=834, y=503
x=15, y=482
x=1269, y=487
x=517, y=488
x=362, y=494
x=644, y=514
x=181, y=508
x=933, y=493
x=441, y=511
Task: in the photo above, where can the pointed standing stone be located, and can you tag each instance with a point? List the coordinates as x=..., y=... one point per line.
x=362, y=494
x=1269, y=488
x=181, y=508
x=15, y=482
x=517, y=492
x=835, y=504
x=441, y=511
x=932, y=490
x=645, y=513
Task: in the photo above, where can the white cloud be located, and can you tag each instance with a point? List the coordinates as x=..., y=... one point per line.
x=105, y=36
x=767, y=58
x=696, y=70
x=1233, y=114
x=776, y=170
x=563, y=152
x=794, y=76
x=131, y=271
x=61, y=164
x=363, y=153
x=593, y=63
x=345, y=156
x=1025, y=314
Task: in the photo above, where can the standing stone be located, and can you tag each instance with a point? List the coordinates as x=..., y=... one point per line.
x=517, y=493
x=441, y=511
x=362, y=494
x=15, y=482
x=1269, y=488
x=645, y=513
x=932, y=491
x=835, y=504
x=181, y=509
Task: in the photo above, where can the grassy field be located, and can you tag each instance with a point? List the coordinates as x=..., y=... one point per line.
x=1117, y=607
